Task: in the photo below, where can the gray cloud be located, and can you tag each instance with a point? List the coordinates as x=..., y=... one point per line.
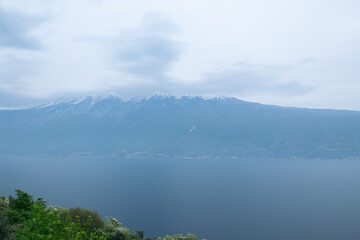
x=10, y=101
x=97, y=50
x=247, y=79
x=241, y=80
x=14, y=30
x=12, y=69
x=148, y=51
x=13, y=84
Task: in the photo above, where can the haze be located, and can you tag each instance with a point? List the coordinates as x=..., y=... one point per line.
x=287, y=53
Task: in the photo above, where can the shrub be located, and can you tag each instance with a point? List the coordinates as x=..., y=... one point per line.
x=4, y=203
x=6, y=230
x=88, y=219
x=111, y=227
x=179, y=237
x=22, y=218
x=20, y=207
x=140, y=234
x=51, y=224
x=118, y=235
x=23, y=201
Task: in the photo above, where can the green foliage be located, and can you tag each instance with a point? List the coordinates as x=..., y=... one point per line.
x=22, y=218
x=179, y=237
x=118, y=235
x=140, y=234
x=4, y=203
x=113, y=229
x=23, y=201
x=110, y=227
x=88, y=219
x=48, y=223
x=6, y=230
x=20, y=207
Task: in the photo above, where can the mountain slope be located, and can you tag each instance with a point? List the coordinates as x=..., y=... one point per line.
x=186, y=126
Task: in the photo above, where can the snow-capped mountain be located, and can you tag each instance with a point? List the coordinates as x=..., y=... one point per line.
x=178, y=126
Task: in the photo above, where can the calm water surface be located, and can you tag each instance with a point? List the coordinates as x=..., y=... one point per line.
x=216, y=199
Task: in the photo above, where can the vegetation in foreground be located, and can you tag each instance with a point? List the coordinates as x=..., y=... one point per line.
x=23, y=218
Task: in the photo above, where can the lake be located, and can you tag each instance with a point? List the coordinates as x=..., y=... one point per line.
x=216, y=199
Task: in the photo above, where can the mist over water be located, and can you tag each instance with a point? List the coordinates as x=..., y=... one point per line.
x=215, y=199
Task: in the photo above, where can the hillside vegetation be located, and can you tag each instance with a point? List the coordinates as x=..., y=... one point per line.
x=23, y=218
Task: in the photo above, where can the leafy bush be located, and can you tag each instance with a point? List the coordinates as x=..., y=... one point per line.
x=113, y=229
x=118, y=235
x=4, y=203
x=20, y=207
x=140, y=234
x=88, y=219
x=179, y=237
x=43, y=222
x=6, y=230
x=22, y=218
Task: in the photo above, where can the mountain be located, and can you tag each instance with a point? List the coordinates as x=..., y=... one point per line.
x=178, y=127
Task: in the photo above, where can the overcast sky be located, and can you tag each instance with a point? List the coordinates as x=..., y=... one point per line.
x=283, y=52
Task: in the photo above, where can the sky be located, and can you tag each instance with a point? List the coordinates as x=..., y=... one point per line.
x=281, y=52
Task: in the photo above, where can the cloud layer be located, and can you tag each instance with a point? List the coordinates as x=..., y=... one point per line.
x=148, y=51
x=304, y=54
x=15, y=31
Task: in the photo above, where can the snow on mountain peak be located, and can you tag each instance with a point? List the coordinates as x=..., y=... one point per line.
x=93, y=100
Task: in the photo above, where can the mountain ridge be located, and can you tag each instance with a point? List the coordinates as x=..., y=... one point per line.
x=163, y=125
